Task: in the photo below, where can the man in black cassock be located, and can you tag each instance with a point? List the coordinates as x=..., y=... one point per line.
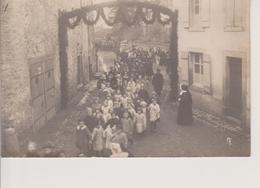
x=185, y=107
x=158, y=82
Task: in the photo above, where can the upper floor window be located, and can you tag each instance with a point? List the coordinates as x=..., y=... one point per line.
x=196, y=14
x=196, y=7
x=234, y=15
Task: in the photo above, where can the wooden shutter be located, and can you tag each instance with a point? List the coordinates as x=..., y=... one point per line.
x=186, y=13
x=184, y=68
x=190, y=67
x=238, y=13
x=207, y=73
x=229, y=13
x=205, y=13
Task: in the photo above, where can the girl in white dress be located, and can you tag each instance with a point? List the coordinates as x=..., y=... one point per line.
x=124, y=101
x=131, y=85
x=97, y=140
x=109, y=102
x=107, y=134
x=106, y=111
x=117, y=95
x=140, y=121
x=144, y=109
x=154, y=114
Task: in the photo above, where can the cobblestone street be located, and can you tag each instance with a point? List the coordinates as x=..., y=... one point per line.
x=170, y=140
x=208, y=136
x=198, y=140
x=159, y=93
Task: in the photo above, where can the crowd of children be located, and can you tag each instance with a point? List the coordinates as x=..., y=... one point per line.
x=126, y=106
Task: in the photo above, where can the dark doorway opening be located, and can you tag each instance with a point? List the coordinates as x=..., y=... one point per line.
x=234, y=102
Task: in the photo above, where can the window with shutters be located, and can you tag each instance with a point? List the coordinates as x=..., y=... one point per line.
x=196, y=14
x=199, y=71
x=234, y=15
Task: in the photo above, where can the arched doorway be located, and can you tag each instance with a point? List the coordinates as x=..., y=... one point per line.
x=73, y=18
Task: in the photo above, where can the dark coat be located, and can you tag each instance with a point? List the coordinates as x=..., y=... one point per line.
x=113, y=121
x=144, y=95
x=91, y=122
x=119, y=111
x=83, y=137
x=149, y=69
x=185, y=109
x=158, y=82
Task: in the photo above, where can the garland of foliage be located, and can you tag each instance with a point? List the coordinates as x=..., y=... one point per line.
x=147, y=21
x=121, y=16
x=65, y=23
x=166, y=22
x=124, y=16
x=109, y=23
x=75, y=23
x=91, y=22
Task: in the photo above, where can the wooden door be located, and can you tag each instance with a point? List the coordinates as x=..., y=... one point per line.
x=42, y=91
x=49, y=92
x=234, y=106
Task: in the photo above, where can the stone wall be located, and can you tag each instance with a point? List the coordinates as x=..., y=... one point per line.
x=15, y=86
x=29, y=29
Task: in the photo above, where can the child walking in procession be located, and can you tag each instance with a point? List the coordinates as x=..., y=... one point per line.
x=128, y=126
x=140, y=121
x=97, y=140
x=154, y=114
x=83, y=139
x=107, y=140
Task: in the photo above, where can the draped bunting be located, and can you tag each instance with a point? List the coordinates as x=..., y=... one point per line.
x=108, y=22
x=89, y=21
x=121, y=16
x=147, y=21
x=124, y=14
x=73, y=22
x=163, y=22
x=72, y=19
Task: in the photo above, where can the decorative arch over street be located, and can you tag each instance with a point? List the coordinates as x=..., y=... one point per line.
x=90, y=15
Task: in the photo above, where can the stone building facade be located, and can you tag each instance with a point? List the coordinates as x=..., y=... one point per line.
x=214, y=55
x=30, y=67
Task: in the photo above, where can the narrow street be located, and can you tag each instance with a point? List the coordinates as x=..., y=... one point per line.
x=169, y=140
x=197, y=140
x=159, y=93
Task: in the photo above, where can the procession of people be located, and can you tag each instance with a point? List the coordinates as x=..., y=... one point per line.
x=127, y=105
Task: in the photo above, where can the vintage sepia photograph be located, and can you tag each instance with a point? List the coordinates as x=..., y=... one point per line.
x=125, y=78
